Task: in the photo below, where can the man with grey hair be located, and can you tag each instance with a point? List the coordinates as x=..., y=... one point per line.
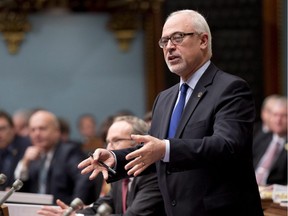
x=270, y=152
x=201, y=133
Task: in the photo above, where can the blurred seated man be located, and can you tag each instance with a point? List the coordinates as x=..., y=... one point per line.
x=65, y=132
x=143, y=198
x=87, y=127
x=270, y=155
x=262, y=127
x=12, y=148
x=20, y=120
x=49, y=166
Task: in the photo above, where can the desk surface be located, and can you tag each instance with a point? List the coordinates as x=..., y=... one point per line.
x=273, y=209
x=22, y=209
x=29, y=198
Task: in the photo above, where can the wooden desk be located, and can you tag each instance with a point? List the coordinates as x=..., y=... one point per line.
x=273, y=209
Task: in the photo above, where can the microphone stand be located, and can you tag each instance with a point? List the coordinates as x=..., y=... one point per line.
x=16, y=186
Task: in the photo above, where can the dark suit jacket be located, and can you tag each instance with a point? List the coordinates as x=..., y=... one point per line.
x=10, y=157
x=65, y=181
x=143, y=198
x=210, y=172
x=278, y=173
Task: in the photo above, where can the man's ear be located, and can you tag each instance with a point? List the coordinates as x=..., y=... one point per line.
x=204, y=40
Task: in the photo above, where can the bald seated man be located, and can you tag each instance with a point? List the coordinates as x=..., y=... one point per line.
x=50, y=166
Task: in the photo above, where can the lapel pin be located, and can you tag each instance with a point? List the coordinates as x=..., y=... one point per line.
x=199, y=94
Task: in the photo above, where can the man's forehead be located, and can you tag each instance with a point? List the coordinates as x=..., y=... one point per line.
x=179, y=24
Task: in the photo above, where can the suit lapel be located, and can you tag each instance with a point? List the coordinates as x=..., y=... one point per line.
x=197, y=95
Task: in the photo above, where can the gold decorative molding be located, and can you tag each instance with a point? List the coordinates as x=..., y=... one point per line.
x=128, y=16
x=13, y=27
x=124, y=38
x=14, y=21
x=124, y=26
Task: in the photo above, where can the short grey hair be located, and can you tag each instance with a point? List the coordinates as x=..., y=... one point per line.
x=199, y=23
x=139, y=126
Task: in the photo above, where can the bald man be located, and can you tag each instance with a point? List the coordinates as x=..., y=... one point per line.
x=50, y=167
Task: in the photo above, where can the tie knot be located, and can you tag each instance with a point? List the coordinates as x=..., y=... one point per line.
x=184, y=88
x=126, y=181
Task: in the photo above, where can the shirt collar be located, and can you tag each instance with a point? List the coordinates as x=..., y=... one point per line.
x=193, y=80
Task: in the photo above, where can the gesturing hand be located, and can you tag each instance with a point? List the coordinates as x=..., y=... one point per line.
x=53, y=210
x=153, y=150
x=91, y=164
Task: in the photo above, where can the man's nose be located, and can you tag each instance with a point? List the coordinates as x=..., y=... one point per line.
x=170, y=45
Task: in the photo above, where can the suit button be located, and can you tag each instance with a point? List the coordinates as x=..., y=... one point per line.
x=173, y=203
x=168, y=172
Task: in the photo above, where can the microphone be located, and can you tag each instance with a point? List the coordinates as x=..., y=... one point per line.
x=74, y=205
x=104, y=210
x=3, y=178
x=15, y=187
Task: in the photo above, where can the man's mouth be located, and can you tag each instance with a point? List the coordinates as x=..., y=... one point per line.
x=173, y=58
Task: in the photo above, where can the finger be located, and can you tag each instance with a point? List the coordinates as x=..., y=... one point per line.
x=134, y=154
x=87, y=169
x=137, y=169
x=61, y=204
x=47, y=212
x=139, y=138
x=84, y=163
x=96, y=172
x=134, y=162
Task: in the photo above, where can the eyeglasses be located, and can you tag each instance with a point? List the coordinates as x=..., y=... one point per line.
x=176, y=38
x=116, y=141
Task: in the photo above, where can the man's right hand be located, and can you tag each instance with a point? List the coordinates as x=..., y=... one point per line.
x=31, y=153
x=53, y=210
x=91, y=164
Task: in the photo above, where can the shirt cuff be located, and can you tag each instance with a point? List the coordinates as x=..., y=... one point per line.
x=167, y=151
x=115, y=159
x=21, y=172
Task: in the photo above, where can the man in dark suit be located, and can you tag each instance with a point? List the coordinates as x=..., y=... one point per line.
x=276, y=171
x=50, y=167
x=143, y=197
x=205, y=168
x=12, y=148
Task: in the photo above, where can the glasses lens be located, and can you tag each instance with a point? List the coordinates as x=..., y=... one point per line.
x=177, y=38
x=163, y=42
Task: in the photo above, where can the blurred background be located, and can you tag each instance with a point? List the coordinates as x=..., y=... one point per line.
x=102, y=56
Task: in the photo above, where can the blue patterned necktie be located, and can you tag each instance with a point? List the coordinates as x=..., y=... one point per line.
x=176, y=115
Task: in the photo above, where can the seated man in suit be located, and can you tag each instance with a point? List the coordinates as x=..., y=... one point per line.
x=12, y=148
x=50, y=166
x=87, y=127
x=143, y=196
x=262, y=127
x=21, y=120
x=270, y=154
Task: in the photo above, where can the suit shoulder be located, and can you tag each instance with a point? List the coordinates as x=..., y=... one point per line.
x=229, y=78
x=21, y=142
x=67, y=149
